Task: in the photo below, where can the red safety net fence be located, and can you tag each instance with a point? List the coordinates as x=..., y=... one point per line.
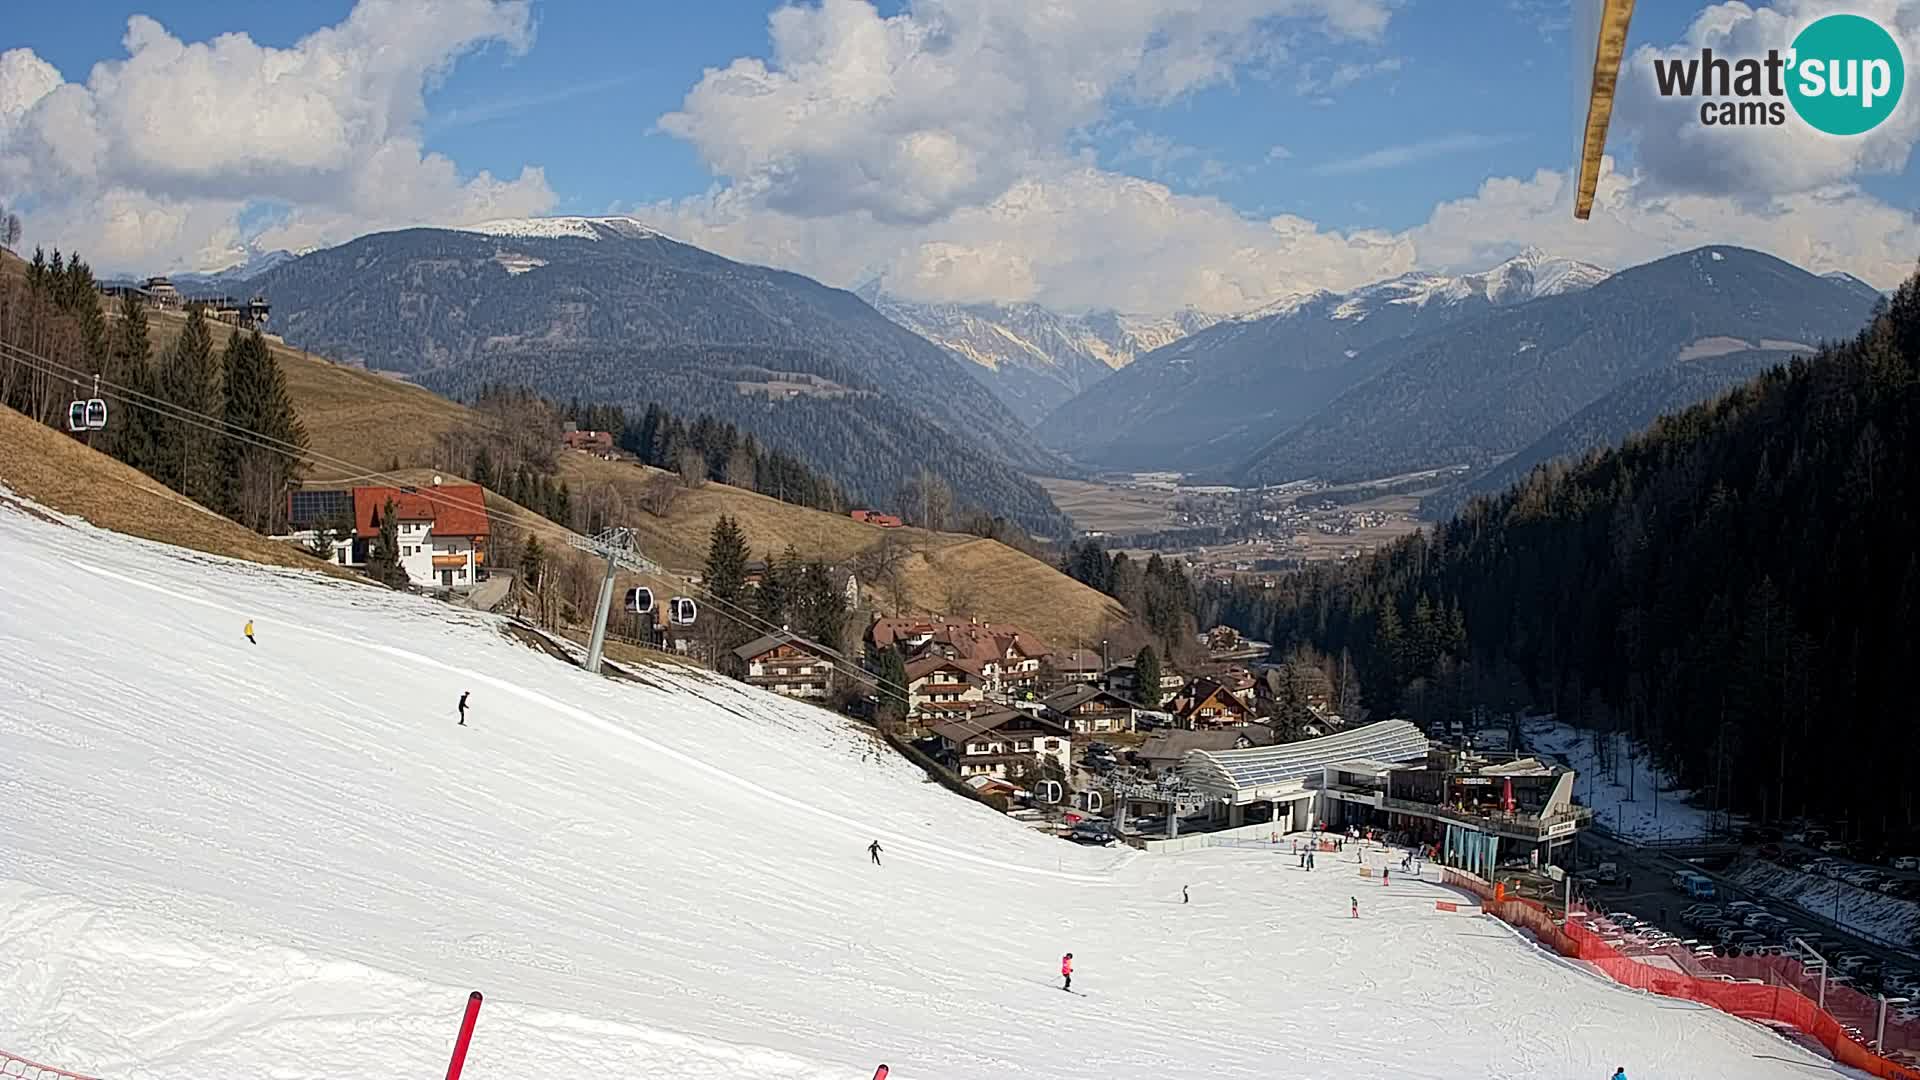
x=12, y=1066
x=1767, y=989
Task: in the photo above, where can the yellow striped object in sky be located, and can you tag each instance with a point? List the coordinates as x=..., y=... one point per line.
x=1609, y=50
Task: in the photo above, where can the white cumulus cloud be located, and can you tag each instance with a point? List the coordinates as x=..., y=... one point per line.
x=153, y=159
x=948, y=105
x=937, y=148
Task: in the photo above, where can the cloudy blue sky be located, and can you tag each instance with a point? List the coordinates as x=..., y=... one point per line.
x=1139, y=154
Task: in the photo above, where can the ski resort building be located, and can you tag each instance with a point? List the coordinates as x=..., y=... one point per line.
x=790, y=666
x=1089, y=710
x=1004, y=744
x=941, y=689
x=441, y=531
x=1286, y=784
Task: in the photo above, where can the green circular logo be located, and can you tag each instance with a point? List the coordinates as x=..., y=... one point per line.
x=1847, y=74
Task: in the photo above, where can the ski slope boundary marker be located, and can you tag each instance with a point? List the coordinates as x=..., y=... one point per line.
x=14, y=1066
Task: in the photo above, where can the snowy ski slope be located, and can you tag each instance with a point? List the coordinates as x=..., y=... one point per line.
x=221, y=860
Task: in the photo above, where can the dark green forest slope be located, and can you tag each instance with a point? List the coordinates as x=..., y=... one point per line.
x=1477, y=391
x=1738, y=585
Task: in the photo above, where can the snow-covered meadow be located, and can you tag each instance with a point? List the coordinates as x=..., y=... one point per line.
x=223, y=860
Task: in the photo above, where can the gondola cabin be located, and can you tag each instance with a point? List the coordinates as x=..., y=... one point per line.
x=640, y=601
x=682, y=611
x=96, y=414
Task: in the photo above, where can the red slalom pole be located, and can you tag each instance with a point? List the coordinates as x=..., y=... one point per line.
x=466, y=1036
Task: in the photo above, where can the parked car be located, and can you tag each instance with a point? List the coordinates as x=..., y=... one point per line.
x=1851, y=962
x=1091, y=832
x=1907, y=862
x=1833, y=847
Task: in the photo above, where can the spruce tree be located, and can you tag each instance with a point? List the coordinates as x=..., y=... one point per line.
x=1146, y=677
x=726, y=560
x=129, y=434
x=259, y=466
x=771, y=600
x=187, y=455
x=823, y=608
x=383, y=555
x=890, y=671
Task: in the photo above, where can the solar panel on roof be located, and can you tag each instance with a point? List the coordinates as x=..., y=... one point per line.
x=308, y=508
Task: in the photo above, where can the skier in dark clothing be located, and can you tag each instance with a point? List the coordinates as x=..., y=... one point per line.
x=463, y=707
x=1309, y=860
x=873, y=849
x=1183, y=894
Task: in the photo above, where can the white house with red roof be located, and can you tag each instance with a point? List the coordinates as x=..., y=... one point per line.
x=442, y=530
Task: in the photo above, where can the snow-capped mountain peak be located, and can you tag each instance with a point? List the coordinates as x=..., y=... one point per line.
x=553, y=228
x=1034, y=357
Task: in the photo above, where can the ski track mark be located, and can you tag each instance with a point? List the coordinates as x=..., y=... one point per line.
x=909, y=845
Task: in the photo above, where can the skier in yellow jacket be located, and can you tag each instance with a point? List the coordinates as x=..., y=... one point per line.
x=249, y=632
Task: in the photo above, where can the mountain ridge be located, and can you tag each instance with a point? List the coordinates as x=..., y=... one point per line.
x=610, y=310
x=1032, y=357
x=1475, y=392
x=1204, y=403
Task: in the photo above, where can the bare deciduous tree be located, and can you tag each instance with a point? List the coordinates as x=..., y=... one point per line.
x=657, y=496
x=693, y=468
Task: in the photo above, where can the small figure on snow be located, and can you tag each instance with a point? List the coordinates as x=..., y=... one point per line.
x=248, y=630
x=1309, y=860
x=463, y=707
x=1620, y=1073
x=873, y=849
x=1385, y=871
x=1355, y=901
x=1066, y=972
x=1183, y=894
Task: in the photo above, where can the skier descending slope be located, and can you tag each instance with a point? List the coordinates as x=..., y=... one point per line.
x=463, y=707
x=1066, y=972
x=248, y=630
x=873, y=849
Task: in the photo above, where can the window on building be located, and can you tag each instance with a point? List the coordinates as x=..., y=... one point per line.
x=1053, y=744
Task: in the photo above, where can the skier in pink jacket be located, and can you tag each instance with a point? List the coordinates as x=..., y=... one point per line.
x=1066, y=972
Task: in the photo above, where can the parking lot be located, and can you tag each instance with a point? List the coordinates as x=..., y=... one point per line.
x=1646, y=891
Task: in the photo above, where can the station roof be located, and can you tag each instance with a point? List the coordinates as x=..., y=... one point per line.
x=1385, y=742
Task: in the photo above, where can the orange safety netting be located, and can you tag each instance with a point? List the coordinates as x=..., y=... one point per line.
x=1769, y=989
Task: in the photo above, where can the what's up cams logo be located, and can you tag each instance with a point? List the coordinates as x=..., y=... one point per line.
x=1842, y=75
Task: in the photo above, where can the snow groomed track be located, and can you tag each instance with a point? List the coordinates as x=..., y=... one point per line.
x=226, y=860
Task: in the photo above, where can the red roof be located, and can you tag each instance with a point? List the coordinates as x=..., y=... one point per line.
x=454, y=509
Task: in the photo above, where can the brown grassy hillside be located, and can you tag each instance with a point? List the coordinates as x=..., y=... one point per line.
x=53, y=469
x=371, y=421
